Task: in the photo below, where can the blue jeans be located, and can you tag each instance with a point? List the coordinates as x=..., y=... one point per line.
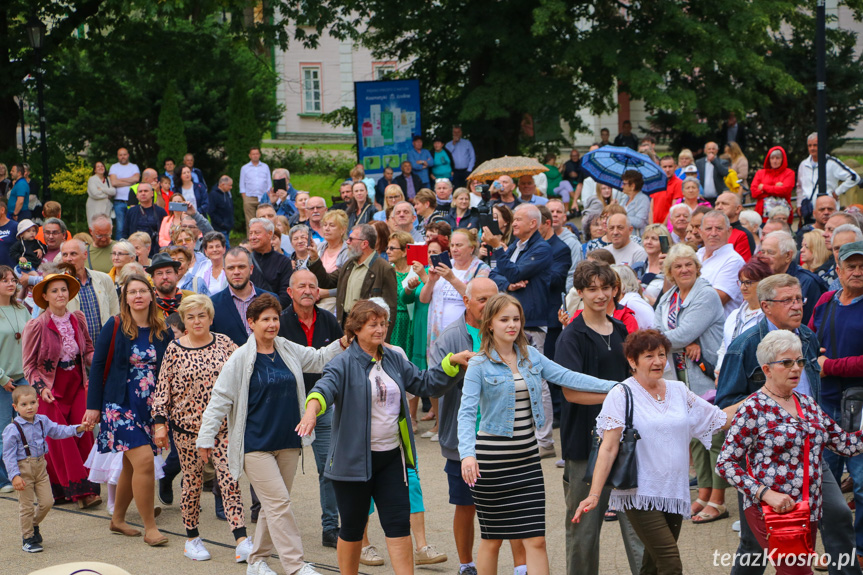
x=6, y=415
x=227, y=234
x=837, y=464
x=120, y=208
x=320, y=446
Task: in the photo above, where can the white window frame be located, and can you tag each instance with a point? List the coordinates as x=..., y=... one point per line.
x=308, y=104
x=379, y=69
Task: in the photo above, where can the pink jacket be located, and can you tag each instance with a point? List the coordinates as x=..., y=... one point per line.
x=43, y=346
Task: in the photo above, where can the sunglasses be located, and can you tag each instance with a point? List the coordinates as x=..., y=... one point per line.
x=789, y=363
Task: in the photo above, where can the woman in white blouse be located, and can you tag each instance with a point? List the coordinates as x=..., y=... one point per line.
x=100, y=193
x=749, y=313
x=667, y=415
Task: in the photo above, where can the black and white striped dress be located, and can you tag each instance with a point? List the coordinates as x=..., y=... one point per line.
x=510, y=494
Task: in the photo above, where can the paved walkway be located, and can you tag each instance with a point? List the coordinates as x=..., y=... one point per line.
x=71, y=535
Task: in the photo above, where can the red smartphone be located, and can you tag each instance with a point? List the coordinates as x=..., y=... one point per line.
x=418, y=253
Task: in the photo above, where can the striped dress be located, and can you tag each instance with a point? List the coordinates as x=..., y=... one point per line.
x=510, y=493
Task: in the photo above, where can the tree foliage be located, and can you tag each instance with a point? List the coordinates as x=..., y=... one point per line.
x=242, y=133
x=104, y=94
x=170, y=133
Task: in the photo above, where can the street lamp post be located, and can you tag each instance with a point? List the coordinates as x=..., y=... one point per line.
x=36, y=35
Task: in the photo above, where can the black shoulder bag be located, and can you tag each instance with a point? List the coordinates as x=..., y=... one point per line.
x=624, y=470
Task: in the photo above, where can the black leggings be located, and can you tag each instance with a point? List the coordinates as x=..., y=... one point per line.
x=390, y=491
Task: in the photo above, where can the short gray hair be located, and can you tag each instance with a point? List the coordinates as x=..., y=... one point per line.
x=750, y=218
x=297, y=229
x=369, y=234
x=628, y=282
x=99, y=218
x=812, y=136
x=775, y=343
x=845, y=228
x=268, y=225
x=768, y=286
x=413, y=211
x=693, y=180
x=785, y=241
x=126, y=247
x=679, y=206
x=716, y=214
x=57, y=222
x=297, y=273
x=531, y=211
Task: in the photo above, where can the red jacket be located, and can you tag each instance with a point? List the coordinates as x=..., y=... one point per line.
x=622, y=313
x=662, y=200
x=741, y=244
x=777, y=183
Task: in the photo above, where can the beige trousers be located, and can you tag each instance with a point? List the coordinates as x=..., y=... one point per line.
x=271, y=473
x=37, y=489
x=250, y=205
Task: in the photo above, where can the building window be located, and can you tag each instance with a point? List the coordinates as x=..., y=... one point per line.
x=312, y=90
x=381, y=70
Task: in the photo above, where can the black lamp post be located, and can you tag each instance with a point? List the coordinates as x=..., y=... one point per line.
x=36, y=35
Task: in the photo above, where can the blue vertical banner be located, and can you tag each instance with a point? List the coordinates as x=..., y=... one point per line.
x=388, y=115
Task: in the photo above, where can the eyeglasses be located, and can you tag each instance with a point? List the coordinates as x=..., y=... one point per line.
x=789, y=363
x=316, y=208
x=746, y=283
x=99, y=236
x=393, y=248
x=52, y=233
x=137, y=292
x=120, y=254
x=353, y=239
x=789, y=302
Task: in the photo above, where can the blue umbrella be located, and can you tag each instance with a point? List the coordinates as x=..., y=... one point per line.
x=606, y=165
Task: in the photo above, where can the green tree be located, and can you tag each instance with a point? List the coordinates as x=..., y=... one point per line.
x=242, y=132
x=170, y=133
x=106, y=88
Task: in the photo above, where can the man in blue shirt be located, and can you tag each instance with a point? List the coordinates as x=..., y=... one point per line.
x=19, y=196
x=421, y=160
x=463, y=157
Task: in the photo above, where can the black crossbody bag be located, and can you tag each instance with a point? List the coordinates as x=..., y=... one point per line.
x=624, y=470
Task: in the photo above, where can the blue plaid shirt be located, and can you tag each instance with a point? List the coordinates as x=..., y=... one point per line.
x=90, y=307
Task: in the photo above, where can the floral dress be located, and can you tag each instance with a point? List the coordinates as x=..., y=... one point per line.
x=773, y=442
x=130, y=425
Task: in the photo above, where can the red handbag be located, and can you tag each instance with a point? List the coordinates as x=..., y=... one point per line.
x=791, y=533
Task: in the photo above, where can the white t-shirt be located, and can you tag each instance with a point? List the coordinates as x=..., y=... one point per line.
x=629, y=254
x=122, y=171
x=642, y=310
x=709, y=185
x=189, y=196
x=721, y=269
x=386, y=407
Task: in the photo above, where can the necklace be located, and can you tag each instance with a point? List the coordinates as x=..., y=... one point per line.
x=607, y=342
x=271, y=357
x=16, y=329
x=783, y=397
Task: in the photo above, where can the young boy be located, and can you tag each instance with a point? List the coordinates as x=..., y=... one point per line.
x=27, y=251
x=24, y=449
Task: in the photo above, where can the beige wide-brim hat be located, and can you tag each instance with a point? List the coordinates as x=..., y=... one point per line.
x=82, y=568
x=38, y=291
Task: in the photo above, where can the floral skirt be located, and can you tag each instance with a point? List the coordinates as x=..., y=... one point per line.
x=126, y=427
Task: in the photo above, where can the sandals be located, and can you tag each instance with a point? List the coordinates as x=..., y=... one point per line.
x=702, y=517
x=700, y=502
x=610, y=515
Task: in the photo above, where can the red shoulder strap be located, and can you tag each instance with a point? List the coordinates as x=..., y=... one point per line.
x=805, y=422
x=110, y=357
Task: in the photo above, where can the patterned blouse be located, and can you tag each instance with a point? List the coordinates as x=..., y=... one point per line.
x=773, y=440
x=67, y=335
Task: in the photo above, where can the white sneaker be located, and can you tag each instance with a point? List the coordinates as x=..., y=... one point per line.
x=435, y=437
x=260, y=568
x=306, y=569
x=195, y=550
x=427, y=434
x=244, y=549
x=370, y=556
x=7, y=488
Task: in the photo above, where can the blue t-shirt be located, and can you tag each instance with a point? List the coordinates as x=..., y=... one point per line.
x=21, y=189
x=7, y=238
x=274, y=411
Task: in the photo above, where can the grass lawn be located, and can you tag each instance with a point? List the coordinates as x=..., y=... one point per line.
x=323, y=185
x=312, y=146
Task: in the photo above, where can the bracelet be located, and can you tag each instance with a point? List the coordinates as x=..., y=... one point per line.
x=593, y=495
x=760, y=491
x=158, y=425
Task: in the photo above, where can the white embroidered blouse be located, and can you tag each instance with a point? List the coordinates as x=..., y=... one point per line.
x=662, y=453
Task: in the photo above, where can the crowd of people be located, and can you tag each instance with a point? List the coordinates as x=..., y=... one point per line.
x=722, y=336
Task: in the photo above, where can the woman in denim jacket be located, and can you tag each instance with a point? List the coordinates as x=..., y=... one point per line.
x=499, y=454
